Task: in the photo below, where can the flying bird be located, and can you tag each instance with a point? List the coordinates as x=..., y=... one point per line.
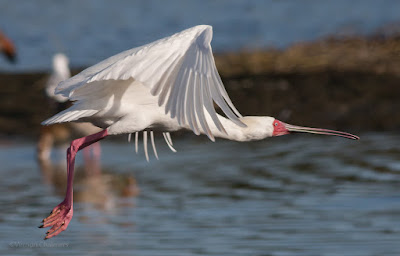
x=60, y=72
x=164, y=86
x=7, y=47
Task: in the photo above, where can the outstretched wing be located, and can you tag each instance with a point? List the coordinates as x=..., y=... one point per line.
x=179, y=69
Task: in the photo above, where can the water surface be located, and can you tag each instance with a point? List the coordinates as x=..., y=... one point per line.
x=292, y=195
x=92, y=30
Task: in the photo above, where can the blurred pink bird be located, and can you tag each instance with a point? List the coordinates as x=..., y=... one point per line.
x=7, y=47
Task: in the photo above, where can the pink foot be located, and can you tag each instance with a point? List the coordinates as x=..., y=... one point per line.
x=62, y=214
x=59, y=219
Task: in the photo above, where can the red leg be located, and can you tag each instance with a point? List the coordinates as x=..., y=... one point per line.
x=62, y=214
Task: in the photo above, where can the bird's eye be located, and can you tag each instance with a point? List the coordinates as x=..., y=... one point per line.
x=276, y=123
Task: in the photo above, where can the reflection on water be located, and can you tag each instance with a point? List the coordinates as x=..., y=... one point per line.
x=293, y=195
x=91, y=184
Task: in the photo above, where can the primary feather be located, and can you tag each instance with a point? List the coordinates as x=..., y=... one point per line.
x=178, y=71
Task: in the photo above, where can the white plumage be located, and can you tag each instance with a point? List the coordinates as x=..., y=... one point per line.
x=60, y=73
x=175, y=75
x=164, y=86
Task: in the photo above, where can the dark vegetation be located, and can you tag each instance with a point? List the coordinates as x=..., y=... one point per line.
x=340, y=83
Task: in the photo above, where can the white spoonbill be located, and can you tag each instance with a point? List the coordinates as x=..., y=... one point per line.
x=164, y=86
x=60, y=73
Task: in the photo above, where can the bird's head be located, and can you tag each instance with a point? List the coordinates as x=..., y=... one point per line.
x=281, y=128
x=60, y=63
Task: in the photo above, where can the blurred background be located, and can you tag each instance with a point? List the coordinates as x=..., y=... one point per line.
x=331, y=64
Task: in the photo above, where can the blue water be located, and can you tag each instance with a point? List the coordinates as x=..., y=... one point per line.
x=89, y=31
x=292, y=195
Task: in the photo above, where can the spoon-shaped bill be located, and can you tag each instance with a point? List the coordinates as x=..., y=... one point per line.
x=295, y=128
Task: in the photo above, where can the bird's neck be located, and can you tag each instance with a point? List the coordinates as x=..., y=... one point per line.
x=232, y=130
x=256, y=129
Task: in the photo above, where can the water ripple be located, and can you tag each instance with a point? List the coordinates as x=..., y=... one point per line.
x=295, y=195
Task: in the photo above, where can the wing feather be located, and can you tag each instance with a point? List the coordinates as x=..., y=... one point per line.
x=146, y=153
x=208, y=104
x=168, y=140
x=182, y=95
x=166, y=78
x=199, y=108
x=136, y=142
x=189, y=106
x=178, y=92
x=153, y=144
x=69, y=115
x=179, y=69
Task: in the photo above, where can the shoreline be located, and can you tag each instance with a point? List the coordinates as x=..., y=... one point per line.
x=350, y=83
